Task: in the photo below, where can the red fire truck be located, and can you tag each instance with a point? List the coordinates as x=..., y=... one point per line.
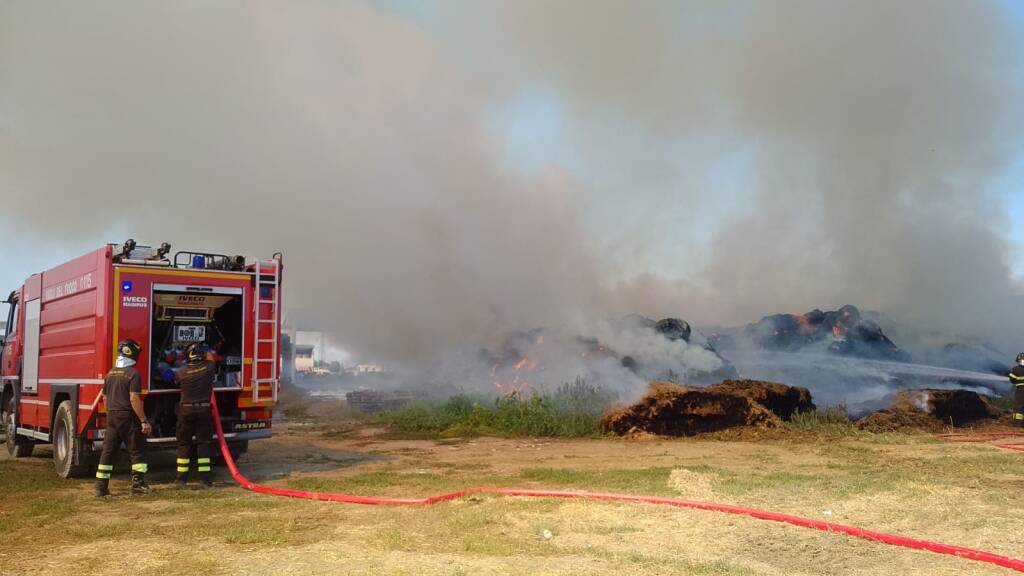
x=63, y=326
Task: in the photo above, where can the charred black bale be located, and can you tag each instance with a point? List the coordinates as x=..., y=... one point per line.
x=843, y=331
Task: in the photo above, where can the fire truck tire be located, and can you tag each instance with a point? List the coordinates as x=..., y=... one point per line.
x=17, y=446
x=70, y=455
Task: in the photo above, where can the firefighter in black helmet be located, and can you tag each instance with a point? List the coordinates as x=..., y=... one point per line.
x=1017, y=379
x=195, y=380
x=126, y=420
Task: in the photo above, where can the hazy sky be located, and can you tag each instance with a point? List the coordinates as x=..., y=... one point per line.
x=440, y=172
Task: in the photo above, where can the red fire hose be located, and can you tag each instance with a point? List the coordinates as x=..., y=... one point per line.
x=981, y=556
x=977, y=436
x=1016, y=447
x=985, y=437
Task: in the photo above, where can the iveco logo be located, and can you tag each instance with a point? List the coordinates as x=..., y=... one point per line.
x=134, y=301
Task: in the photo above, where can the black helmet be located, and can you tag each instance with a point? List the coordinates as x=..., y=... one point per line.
x=1020, y=358
x=129, y=349
x=195, y=353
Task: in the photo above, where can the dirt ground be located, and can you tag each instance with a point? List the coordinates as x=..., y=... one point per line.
x=963, y=494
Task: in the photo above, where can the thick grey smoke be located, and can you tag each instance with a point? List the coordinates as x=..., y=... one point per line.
x=789, y=155
x=546, y=358
x=330, y=131
x=871, y=134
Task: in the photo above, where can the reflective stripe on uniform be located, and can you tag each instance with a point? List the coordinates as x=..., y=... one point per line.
x=1018, y=416
x=1015, y=377
x=143, y=467
x=183, y=460
x=203, y=461
x=203, y=469
x=103, y=471
x=182, y=468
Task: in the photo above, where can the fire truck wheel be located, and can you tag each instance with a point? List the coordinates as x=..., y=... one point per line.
x=70, y=456
x=17, y=446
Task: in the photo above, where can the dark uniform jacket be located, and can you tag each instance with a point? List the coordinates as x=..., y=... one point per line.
x=117, y=386
x=1017, y=375
x=196, y=382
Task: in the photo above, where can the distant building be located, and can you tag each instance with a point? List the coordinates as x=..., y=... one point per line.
x=361, y=369
x=317, y=340
x=304, y=363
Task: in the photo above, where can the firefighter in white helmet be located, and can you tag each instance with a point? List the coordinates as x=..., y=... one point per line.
x=126, y=420
x=1017, y=379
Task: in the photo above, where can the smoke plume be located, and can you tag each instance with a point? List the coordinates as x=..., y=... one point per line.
x=331, y=132
x=738, y=159
x=872, y=134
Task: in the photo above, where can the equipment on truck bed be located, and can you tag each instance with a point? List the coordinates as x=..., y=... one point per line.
x=63, y=326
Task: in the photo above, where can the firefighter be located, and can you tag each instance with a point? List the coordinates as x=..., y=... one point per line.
x=1017, y=379
x=126, y=421
x=195, y=380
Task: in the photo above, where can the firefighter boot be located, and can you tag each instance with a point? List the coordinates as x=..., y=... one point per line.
x=102, y=488
x=204, y=480
x=181, y=480
x=139, y=486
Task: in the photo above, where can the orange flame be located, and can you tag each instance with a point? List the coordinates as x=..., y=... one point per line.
x=526, y=363
x=804, y=325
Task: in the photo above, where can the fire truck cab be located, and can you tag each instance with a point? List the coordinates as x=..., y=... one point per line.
x=62, y=328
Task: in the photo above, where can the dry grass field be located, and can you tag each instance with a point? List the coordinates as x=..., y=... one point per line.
x=913, y=485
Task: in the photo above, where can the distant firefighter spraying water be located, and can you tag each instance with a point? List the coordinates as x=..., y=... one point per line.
x=1017, y=379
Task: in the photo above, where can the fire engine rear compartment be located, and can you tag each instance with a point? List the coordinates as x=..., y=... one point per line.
x=182, y=315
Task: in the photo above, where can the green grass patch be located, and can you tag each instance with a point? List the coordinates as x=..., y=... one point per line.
x=743, y=485
x=411, y=484
x=832, y=421
x=25, y=516
x=55, y=507
x=637, y=481
x=91, y=532
x=18, y=477
x=572, y=411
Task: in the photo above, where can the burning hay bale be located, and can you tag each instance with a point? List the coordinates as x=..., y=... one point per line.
x=844, y=332
x=606, y=353
x=932, y=410
x=672, y=410
x=782, y=400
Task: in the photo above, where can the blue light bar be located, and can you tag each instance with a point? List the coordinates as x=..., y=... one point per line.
x=126, y=286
